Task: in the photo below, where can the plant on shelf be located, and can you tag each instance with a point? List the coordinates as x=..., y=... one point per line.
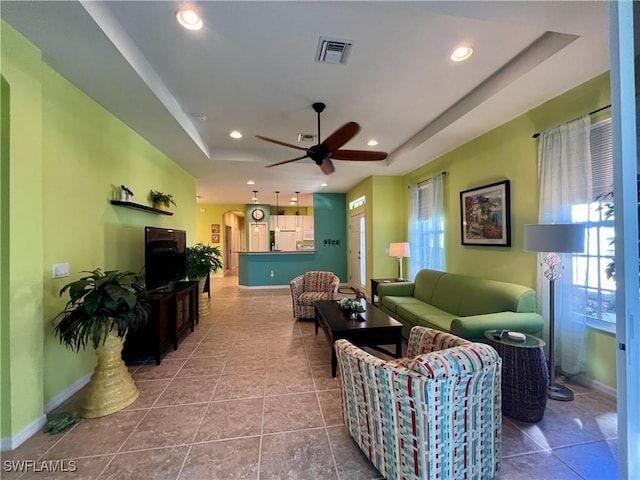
x=102, y=308
x=202, y=259
x=160, y=199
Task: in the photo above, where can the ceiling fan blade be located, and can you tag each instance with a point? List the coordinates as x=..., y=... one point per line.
x=341, y=136
x=281, y=143
x=327, y=167
x=286, y=161
x=359, y=155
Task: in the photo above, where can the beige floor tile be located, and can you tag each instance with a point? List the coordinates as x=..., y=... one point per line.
x=167, y=369
x=203, y=366
x=247, y=385
x=289, y=380
x=90, y=436
x=331, y=406
x=166, y=427
x=87, y=468
x=230, y=419
x=226, y=459
x=291, y=412
x=302, y=455
x=149, y=390
x=188, y=390
x=350, y=460
x=157, y=464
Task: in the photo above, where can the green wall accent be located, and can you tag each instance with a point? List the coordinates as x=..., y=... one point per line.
x=510, y=153
x=69, y=157
x=5, y=344
x=22, y=68
x=384, y=222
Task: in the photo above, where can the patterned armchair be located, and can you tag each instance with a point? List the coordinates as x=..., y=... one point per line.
x=434, y=415
x=309, y=288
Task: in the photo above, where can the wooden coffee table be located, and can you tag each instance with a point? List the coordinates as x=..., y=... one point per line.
x=376, y=328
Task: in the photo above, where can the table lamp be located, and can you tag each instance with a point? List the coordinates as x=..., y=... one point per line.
x=400, y=250
x=554, y=238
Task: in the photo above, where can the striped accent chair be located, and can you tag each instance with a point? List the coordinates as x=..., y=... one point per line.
x=308, y=288
x=433, y=415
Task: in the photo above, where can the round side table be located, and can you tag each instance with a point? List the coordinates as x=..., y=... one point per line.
x=525, y=377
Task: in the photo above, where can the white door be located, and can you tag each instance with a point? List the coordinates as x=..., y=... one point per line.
x=258, y=237
x=357, y=252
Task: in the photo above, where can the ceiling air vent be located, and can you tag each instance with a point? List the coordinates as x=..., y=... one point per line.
x=306, y=137
x=333, y=50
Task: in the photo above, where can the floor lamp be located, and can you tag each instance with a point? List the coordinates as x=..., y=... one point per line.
x=554, y=238
x=400, y=250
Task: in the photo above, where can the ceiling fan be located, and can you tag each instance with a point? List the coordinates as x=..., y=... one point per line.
x=322, y=153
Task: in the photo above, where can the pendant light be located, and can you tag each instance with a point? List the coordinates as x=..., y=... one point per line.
x=277, y=211
x=255, y=201
x=297, y=211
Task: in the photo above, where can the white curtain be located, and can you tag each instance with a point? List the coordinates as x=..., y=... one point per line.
x=564, y=171
x=426, y=226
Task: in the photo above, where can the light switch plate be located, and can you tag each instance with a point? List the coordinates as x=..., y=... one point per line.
x=60, y=270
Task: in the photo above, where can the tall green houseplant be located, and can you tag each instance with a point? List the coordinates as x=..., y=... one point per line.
x=202, y=259
x=102, y=308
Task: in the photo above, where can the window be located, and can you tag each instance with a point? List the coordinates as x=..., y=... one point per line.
x=426, y=227
x=590, y=269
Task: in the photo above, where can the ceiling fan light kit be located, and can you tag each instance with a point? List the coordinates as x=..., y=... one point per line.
x=323, y=152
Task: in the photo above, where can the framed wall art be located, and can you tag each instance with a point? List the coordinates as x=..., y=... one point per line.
x=215, y=238
x=485, y=215
x=215, y=228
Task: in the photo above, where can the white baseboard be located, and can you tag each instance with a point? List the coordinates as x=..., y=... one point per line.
x=11, y=443
x=66, y=394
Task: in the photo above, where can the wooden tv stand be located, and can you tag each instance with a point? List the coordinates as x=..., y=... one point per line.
x=174, y=314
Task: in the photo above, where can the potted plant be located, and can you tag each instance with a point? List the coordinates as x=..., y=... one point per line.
x=102, y=307
x=202, y=259
x=160, y=199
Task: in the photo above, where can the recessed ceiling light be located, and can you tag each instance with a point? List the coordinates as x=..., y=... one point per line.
x=250, y=182
x=292, y=202
x=189, y=18
x=235, y=134
x=323, y=184
x=461, y=52
x=293, y=199
x=373, y=142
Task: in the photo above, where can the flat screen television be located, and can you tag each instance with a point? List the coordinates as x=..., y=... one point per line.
x=165, y=256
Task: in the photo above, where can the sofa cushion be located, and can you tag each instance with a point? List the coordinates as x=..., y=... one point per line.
x=425, y=284
x=391, y=303
x=439, y=322
x=463, y=296
x=412, y=311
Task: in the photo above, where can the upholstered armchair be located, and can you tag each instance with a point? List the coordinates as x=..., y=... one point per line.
x=433, y=415
x=309, y=288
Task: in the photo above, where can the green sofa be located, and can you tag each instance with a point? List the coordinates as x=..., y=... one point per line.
x=459, y=304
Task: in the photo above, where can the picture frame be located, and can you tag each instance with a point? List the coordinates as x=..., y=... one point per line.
x=215, y=238
x=485, y=215
x=215, y=228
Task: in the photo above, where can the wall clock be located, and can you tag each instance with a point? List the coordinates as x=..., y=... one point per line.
x=257, y=214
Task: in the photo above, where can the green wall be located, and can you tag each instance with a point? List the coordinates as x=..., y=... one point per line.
x=385, y=222
x=69, y=157
x=510, y=153
x=5, y=344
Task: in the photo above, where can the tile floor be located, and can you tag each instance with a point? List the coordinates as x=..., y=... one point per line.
x=249, y=395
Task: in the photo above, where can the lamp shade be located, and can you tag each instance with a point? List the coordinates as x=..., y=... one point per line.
x=400, y=249
x=554, y=237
